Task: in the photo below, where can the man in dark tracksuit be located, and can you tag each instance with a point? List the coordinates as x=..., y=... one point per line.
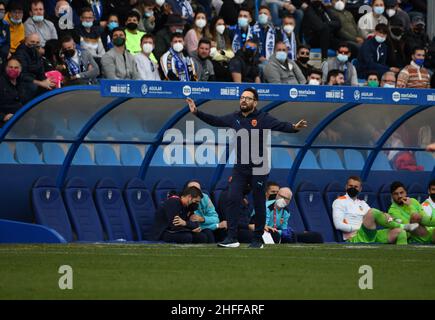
x=245, y=174
x=172, y=222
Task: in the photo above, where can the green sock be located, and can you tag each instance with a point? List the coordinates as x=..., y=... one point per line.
x=402, y=238
x=381, y=220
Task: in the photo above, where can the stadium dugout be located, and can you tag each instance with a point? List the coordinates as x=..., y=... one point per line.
x=113, y=144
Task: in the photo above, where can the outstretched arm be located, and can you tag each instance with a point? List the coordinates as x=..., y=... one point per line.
x=208, y=118
x=276, y=125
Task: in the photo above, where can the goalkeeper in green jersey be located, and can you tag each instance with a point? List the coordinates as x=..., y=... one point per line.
x=429, y=204
x=408, y=210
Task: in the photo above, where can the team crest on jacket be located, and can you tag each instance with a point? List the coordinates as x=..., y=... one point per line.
x=254, y=122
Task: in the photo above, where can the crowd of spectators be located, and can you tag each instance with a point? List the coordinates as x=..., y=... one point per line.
x=48, y=44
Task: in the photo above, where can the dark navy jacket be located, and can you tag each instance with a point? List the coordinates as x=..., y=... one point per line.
x=372, y=57
x=255, y=120
x=5, y=41
x=166, y=213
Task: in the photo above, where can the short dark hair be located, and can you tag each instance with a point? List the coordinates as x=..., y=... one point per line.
x=264, y=7
x=147, y=36
x=86, y=9
x=396, y=185
x=244, y=8
x=315, y=71
x=417, y=48
x=190, y=181
x=333, y=73
x=271, y=184
x=192, y=191
x=356, y=178
x=35, y=2
x=431, y=184
x=15, y=5
x=304, y=46
x=382, y=28
x=344, y=44
x=373, y=73
x=135, y=14
x=254, y=92
x=66, y=38
x=204, y=40
x=118, y=29
x=176, y=35
x=287, y=15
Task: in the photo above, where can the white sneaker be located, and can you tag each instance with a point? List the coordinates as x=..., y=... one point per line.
x=410, y=227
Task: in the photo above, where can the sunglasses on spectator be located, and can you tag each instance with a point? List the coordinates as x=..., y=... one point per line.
x=304, y=53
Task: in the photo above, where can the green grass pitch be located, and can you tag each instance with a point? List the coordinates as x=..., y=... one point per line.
x=115, y=271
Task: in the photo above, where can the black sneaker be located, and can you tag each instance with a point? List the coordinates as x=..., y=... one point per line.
x=256, y=244
x=229, y=243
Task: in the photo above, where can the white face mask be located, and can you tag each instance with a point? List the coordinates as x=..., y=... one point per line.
x=387, y=85
x=220, y=29
x=178, y=47
x=314, y=82
x=391, y=12
x=160, y=2
x=200, y=23
x=281, y=203
x=339, y=5
x=288, y=28
x=239, y=1
x=147, y=48
x=213, y=51
x=380, y=39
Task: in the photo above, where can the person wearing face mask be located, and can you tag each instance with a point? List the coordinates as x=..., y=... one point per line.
x=240, y=32
x=429, y=204
x=245, y=172
x=176, y=65
x=415, y=75
x=314, y=77
x=358, y=222
x=32, y=65
x=5, y=36
x=90, y=34
x=416, y=37
x=320, y=26
x=97, y=8
x=372, y=80
x=396, y=45
x=302, y=58
x=174, y=24
x=132, y=33
x=388, y=80
x=118, y=63
x=264, y=33
x=199, y=30
x=145, y=61
x=282, y=70
x=287, y=35
x=335, y=78
x=14, y=18
x=349, y=31
x=172, y=223
x=106, y=34
x=147, y=21
x=341, y=62
x=203, y=65
x=368, y=22
x=13, y=91
x=392, y=9
x=205, y=213
x=230, y=10
x=277, y=215
x=272, y=189
x=36, y=23
x=406, y=210
x=80, y=66
x=244, y=65
x=373, y=54
x=221, y=51
x=63, y=21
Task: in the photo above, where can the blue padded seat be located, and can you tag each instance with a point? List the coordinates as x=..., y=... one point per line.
x=113, y=213
x=313, y=211
x=82, y=212
x=49, y=208
x=141, y=208
x=161, y=190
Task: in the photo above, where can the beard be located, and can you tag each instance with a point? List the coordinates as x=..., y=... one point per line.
x=245, y=108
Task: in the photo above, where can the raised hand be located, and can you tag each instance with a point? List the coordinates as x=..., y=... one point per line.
x=192, y=105
x=301, y=124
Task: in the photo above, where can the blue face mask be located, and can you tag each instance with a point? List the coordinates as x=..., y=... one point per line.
x=148, y=14
x=38, y=18
x=243, y=22
x=87, y=24
x=112, y=25
x=379, y=10
x=419, y=62
x=281, y=56
x=263, y=19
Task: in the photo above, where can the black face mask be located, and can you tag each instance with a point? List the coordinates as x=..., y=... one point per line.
x=249, y=54
x=304, y=60
x=131, y=26
x=193, y=207
x=432, y=196
x=272, y=197
x=69, y=53
x=397, y=32
x=419, y=29
x=352, y=192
